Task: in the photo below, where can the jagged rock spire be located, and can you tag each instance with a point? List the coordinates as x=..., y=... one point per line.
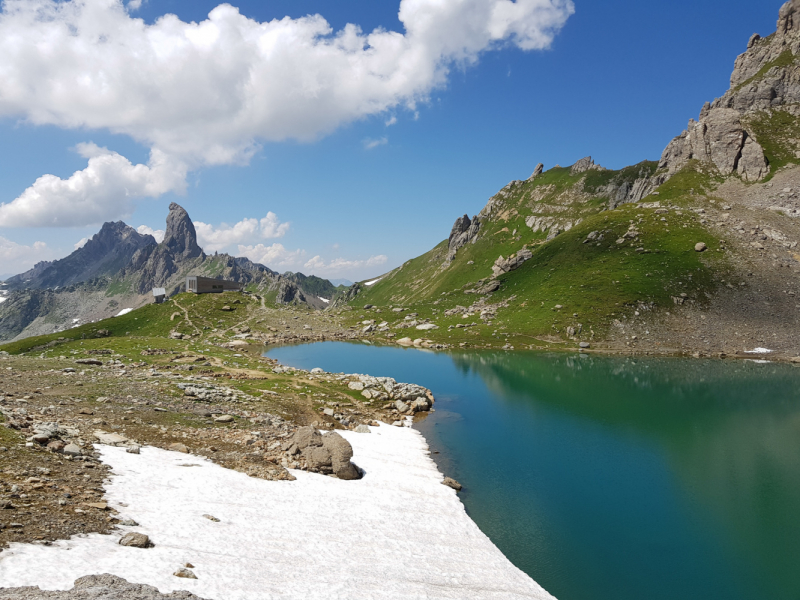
x=787, y=17
x=180, y=236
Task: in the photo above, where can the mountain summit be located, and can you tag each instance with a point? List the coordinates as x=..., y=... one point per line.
x=180, y=237
x=104, y=254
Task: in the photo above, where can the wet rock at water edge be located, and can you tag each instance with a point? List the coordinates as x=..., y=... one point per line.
x=452, y=483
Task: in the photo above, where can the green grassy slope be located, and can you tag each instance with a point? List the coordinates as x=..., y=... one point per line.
x=599, y=281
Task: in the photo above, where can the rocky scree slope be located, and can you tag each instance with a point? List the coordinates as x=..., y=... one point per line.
x=697, y=251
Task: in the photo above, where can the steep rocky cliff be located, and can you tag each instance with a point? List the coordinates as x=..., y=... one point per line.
x=765, y=88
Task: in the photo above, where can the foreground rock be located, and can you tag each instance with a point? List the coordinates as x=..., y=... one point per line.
x=96, y=587
x=327, y=454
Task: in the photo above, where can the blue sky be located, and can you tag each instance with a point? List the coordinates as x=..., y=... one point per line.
x=354, y=186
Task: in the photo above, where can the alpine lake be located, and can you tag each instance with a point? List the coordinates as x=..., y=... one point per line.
x=613, y=478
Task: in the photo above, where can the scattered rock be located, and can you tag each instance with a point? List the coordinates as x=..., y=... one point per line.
x=224, y=419
x=211, y=518
x=112, y=439
x=584, y=345
x=178, y=447
x=56, y=446
x=135, y=540
x=129, y=523
x=700, y=247
x=185, y=573
x=362, y=429
x=72, y=450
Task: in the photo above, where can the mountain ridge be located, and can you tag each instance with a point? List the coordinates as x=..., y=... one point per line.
x=118, y=267
x=697, y=250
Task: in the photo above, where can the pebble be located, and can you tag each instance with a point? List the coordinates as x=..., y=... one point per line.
x=178, y=447
x=224, y=419
x=700, y=247
x=129, y=523
x=362, y=429
x=212, y=518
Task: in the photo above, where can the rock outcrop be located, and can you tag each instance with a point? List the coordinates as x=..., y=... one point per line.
x=536, y=172
x=766, y=77
x=464, y=231
x=718, y=138
x=504, y=265
x=180, y=236
x=583, y=165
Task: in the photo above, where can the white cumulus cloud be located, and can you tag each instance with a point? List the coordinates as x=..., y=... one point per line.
x=275, y=257
x=246, y=231
x=18, y=258
x=210, y=93
x=158, y=234
x=103, y=191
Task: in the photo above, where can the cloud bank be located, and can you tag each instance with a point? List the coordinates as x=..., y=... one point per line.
x=212, y=238
x=103, y=191
x=210, y=93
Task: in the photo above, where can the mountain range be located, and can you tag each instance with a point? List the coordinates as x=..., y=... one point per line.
x=118, y=267
x=695, y=251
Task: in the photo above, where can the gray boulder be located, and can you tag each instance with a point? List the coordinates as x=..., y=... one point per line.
x=328, y=454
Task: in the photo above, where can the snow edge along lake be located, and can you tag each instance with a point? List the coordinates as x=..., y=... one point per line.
x=396, y=533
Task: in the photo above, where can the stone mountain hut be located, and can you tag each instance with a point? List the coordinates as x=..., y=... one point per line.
x=159, y=294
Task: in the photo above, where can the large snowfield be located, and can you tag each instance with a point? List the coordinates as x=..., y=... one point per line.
x=397, y=533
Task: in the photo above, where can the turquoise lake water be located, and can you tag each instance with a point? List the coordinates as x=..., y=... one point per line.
x=614, y=478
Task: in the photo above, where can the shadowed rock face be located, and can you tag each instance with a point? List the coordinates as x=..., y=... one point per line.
x=104, y=254
x=180, y=236
x=96, y=587
x=464, y=231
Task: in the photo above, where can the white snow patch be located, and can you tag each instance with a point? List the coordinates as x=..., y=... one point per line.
x=325, y=300
x=397, y=533
x=124, y=311
x=373, y=282
x=3, y=299
x=758, y=351
x=76, y=320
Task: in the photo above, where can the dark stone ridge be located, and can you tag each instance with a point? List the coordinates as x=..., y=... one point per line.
x=104, y=255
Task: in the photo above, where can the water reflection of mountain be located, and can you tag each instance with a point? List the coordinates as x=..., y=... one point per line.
x=730, y=432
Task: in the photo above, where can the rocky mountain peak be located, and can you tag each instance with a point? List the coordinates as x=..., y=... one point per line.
x=104, y=254
x=180, y=236
x=787, y=17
